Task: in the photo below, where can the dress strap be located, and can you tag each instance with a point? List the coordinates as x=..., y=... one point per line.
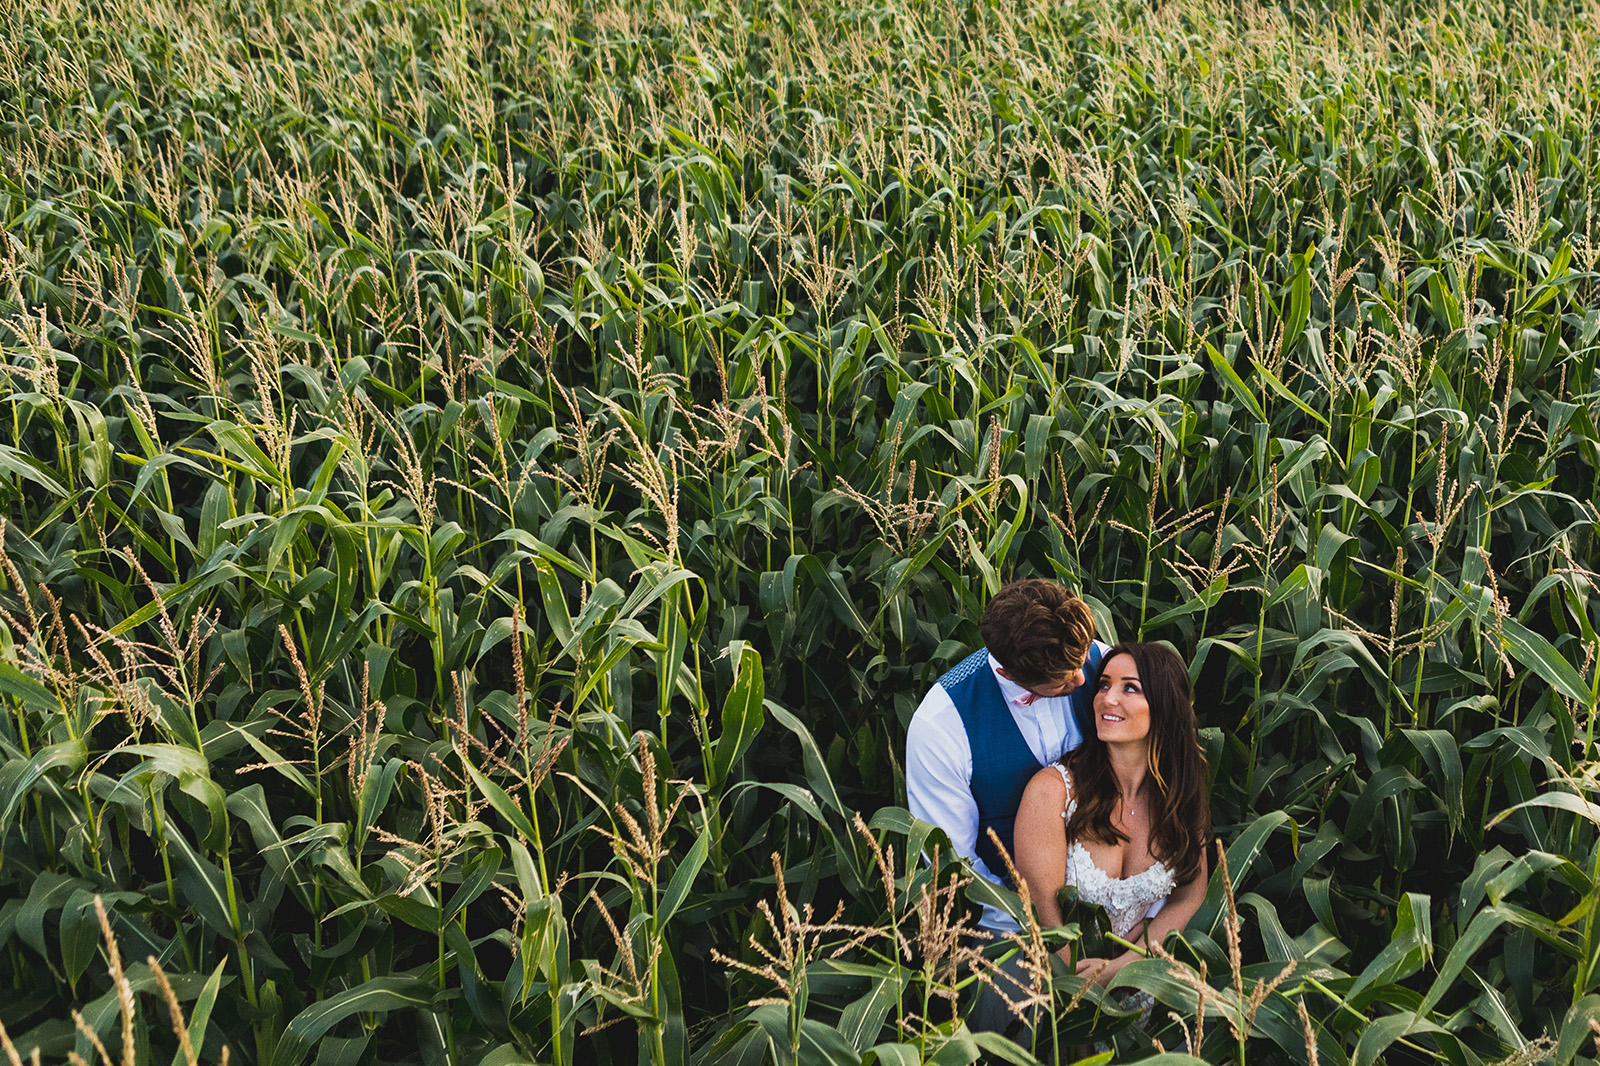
x=1066, y=779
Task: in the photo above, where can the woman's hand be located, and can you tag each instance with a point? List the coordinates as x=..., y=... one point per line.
x=1101, y=971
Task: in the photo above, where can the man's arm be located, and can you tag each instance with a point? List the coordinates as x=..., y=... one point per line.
x=939, y=775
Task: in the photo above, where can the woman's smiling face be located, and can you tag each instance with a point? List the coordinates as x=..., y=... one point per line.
x=1121, y=712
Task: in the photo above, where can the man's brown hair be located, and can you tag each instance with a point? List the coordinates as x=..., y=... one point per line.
x=1038, y=631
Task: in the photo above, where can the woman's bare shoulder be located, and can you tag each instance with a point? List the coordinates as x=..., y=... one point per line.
x=1049, y=784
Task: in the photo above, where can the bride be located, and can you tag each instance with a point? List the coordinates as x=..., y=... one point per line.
x=1125, y=818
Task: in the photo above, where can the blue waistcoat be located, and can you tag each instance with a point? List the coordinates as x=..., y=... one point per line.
x=1002, y=762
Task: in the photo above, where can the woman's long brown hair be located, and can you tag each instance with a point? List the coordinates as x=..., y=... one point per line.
x=1180, y=824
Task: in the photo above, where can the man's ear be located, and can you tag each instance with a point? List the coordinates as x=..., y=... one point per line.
x=1002, y=672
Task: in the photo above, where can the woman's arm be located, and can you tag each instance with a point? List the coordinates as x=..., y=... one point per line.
x=1180, y=906
x=1040, y=836
x=1175, y=914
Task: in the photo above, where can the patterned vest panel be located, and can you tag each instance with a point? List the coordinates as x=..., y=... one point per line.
x=1002, y=762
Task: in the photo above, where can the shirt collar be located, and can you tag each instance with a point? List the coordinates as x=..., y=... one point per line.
x=1011, y=691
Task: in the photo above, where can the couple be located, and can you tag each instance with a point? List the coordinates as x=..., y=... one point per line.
x=1085, y=761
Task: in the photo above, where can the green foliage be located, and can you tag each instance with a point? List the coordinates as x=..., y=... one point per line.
x=486, y=486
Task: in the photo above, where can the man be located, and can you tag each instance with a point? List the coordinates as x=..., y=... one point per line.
x=1001, y=715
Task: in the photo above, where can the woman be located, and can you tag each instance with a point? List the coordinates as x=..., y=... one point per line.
x=1125, y=818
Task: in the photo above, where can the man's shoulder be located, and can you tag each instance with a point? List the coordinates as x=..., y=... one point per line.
x=963, y=672
x=940, y=697
x=935, y=717
x=1097, y=655
x=935, y=735
x=936, y=708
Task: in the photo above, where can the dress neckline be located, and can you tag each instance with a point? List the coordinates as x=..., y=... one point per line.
x=1078, y=845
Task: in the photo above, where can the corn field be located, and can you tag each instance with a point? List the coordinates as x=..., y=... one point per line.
x=486, y=484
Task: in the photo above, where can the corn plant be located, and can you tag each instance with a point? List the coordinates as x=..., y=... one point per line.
x=483, y=488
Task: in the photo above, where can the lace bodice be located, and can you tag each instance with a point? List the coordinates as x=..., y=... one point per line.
x=1126, y=899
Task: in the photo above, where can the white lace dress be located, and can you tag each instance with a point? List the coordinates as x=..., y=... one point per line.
x=1128, y=900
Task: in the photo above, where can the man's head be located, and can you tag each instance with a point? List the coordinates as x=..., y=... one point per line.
x=1040, y=634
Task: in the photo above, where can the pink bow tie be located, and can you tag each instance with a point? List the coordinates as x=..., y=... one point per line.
x=1026, y=699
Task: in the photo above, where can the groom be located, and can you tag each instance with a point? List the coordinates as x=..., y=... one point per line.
x=1001, y=715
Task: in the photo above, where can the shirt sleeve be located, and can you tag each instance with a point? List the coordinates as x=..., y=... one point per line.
x=939, y=775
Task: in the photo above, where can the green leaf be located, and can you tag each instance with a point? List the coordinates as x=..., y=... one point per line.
x=199, y=1020
x=1036, y=443
x=683, y=879
x=1378, y=1034
x=1536, y=653
x=1235, y=384
x=201, y=884
x=25, y=690
x=375, y=793
x=741, y=713
x=823, y=1045
x=1477, y=934
x=672, y=643
x=1438, y=749
x=555, y=602
x=506, y=1055
x=998, y=1047
x=20, y=464
x=892, y=1055
x=47, y=892
x=833, y=587
x=674, y=1030
x=80, y=932
x=377, y=996
x=1301, y=579
x=72, y=754
x=1243, y=853
x=1408, y=950
x=1387, y=782
x=1206, y=600
x=215, y=801
x=501, y=801
x=1155, y=977
x=418, y=913
x=1576, y=1033
x=862, y=1019
x=174, y=760
x=901, y=571
x=845, y=847
x=816, y=768
x=1561, y=801
x=1283, y=390
x=102, y=1012
x=1299, y=312
x=475, y=880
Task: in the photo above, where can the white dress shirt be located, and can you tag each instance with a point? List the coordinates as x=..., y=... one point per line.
x=939, y=764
